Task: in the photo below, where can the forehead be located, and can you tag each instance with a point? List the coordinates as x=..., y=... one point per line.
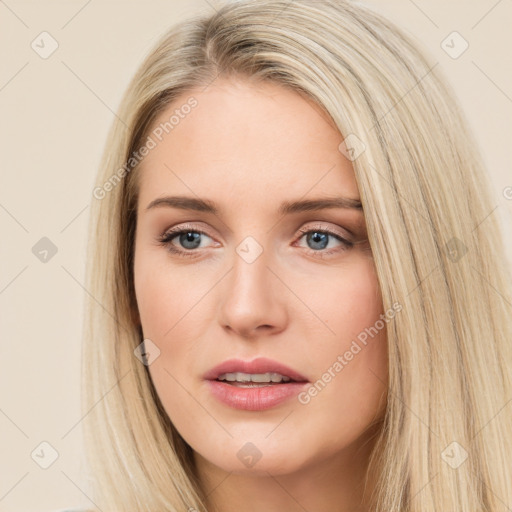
x=241, y=138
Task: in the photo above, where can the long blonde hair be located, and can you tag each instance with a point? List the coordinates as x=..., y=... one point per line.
x=445, y=444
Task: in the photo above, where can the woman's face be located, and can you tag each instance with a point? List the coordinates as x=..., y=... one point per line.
x=264, y=273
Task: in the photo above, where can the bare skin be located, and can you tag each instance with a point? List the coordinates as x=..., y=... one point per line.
x=302, y=301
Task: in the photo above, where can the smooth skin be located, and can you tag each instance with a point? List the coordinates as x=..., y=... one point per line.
x=248, y=148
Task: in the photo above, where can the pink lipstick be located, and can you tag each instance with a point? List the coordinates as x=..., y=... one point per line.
x=254, y=385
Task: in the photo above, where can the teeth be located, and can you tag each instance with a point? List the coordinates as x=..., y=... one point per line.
x=253, y=377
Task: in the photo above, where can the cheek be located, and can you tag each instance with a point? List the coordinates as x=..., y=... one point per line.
x=352, y=368
x=347, y=300
x=157, y=299
x=172, y=318
x=174, y=313
x=165, y=295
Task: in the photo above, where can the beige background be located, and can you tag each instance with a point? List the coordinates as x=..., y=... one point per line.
x=55, y=117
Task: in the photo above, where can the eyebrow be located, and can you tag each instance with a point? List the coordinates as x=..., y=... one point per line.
x=286, y=208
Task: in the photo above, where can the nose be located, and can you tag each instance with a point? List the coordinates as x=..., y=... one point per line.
x=252, y=298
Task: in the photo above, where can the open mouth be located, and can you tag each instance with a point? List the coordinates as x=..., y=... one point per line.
x=255, y=385
x=254, y=380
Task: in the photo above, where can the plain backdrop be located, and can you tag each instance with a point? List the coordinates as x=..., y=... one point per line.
x=56, y=112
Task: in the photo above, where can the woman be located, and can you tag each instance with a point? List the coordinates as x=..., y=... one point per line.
x=293, y=306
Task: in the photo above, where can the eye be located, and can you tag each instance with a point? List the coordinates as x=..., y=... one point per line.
x=183, y=240
x=319, y=238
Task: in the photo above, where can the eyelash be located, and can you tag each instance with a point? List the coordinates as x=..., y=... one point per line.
x=166, y=239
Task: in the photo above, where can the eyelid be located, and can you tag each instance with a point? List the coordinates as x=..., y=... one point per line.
x=180, y=228
x=346, y=242
x=345, y=235
x=304, y=229
x=170, y=233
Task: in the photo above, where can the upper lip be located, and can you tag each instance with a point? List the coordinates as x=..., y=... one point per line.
x=259, y=365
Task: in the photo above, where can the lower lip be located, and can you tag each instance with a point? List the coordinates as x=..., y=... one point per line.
x=257, y=398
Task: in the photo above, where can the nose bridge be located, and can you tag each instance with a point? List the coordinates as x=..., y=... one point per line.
x=250, y=273
x=250, y=297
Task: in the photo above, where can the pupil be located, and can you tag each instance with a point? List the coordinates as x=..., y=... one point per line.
x=318, y=238
x=190, y=238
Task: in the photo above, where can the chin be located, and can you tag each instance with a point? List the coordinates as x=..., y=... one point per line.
x=271, y=464
x=258, y=457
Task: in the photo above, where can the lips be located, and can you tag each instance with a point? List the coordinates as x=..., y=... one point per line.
x=254, y=396
x=259, y=365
